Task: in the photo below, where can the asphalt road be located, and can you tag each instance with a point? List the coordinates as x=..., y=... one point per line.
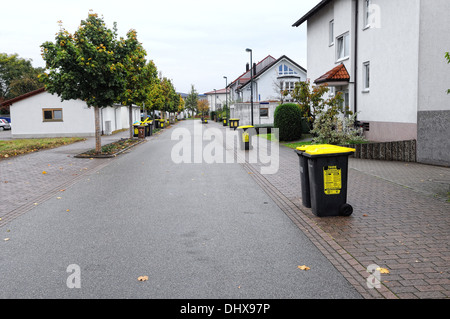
x=196, y=230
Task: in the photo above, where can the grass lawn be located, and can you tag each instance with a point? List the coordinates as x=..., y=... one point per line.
x=293, y=144
x=11, y=148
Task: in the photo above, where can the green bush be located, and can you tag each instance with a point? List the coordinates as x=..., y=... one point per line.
x=288, y=119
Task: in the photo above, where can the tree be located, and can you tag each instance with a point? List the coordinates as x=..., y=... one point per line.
x=312, y=101
x=139, y=74
x=181, y=104
x=191, y=100
x=17, y=76
x=88, y=65
x=331, y=122
x=155, y=97
x=203, y=107
x=168, y=93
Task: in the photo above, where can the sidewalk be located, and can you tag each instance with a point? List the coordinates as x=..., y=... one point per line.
x=401, y=222
x=23, y=184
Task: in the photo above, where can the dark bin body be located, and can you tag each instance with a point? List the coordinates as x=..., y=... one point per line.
x=328, y=185
x=149, y=128
x=234, y=123
x=136, y=129
x=304, y=179
x=324, y=175
x=225, y=122
x=141, y=131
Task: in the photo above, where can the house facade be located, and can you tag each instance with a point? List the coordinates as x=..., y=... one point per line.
x=387, y=58
x=39, y=114
x=270, y=77
x=217, y=98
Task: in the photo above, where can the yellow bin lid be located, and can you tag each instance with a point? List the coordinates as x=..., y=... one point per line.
x=245, y=126
x=325, y=149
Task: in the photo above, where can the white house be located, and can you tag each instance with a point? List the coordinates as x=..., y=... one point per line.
x=270, y=77
x=217, y=98
x=387, y=57
x=39, y=114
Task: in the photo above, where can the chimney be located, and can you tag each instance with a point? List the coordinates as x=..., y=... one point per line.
x=254, y=69
x=247, y=67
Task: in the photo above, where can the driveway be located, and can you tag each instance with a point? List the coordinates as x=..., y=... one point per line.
x=5, y=134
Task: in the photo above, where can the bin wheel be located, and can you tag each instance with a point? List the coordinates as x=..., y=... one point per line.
x=345, y=210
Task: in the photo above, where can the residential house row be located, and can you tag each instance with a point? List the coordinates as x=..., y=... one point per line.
x=270, y=77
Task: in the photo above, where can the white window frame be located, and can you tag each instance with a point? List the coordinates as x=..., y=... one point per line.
x=331, y=33
x=367, y=4
x=289, y=71
x=366, y=76
x=343, y=41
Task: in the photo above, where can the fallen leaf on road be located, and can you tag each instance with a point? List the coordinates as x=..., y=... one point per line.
x=44, y=172
x=383, y=270
x=304, y=267
x=67, y=210
x=58, y=197
x=6, y=239
x=143, y=278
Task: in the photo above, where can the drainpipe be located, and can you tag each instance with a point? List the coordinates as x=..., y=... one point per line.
x=355, y=73
x=102, y=121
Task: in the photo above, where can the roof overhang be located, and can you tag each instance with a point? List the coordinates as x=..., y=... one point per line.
x=312, y=12
x=337, y=76
x=22, y=97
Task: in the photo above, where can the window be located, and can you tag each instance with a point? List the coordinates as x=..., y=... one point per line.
x=343, y=47
x=331, y=33
x=289, y=86
x=367, y=4
x=331, y=91
x=264, y=112
x=366, y=76
x=283, y=69
x=52, y=115
x=345, y=103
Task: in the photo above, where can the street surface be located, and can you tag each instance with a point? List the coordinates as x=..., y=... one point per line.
x=195, y=230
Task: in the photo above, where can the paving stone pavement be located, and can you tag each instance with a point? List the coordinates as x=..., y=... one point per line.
x=24, y=185
x=401, y=222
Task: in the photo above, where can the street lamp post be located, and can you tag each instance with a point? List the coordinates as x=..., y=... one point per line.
x=251, y=81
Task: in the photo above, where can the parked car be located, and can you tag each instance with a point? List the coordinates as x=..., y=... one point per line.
x=4, y=125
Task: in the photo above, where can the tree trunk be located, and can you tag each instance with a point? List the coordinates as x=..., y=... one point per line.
x=98, y=141
x=130, y=116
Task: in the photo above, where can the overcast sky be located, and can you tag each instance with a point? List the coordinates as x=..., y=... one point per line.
x=191, y=41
